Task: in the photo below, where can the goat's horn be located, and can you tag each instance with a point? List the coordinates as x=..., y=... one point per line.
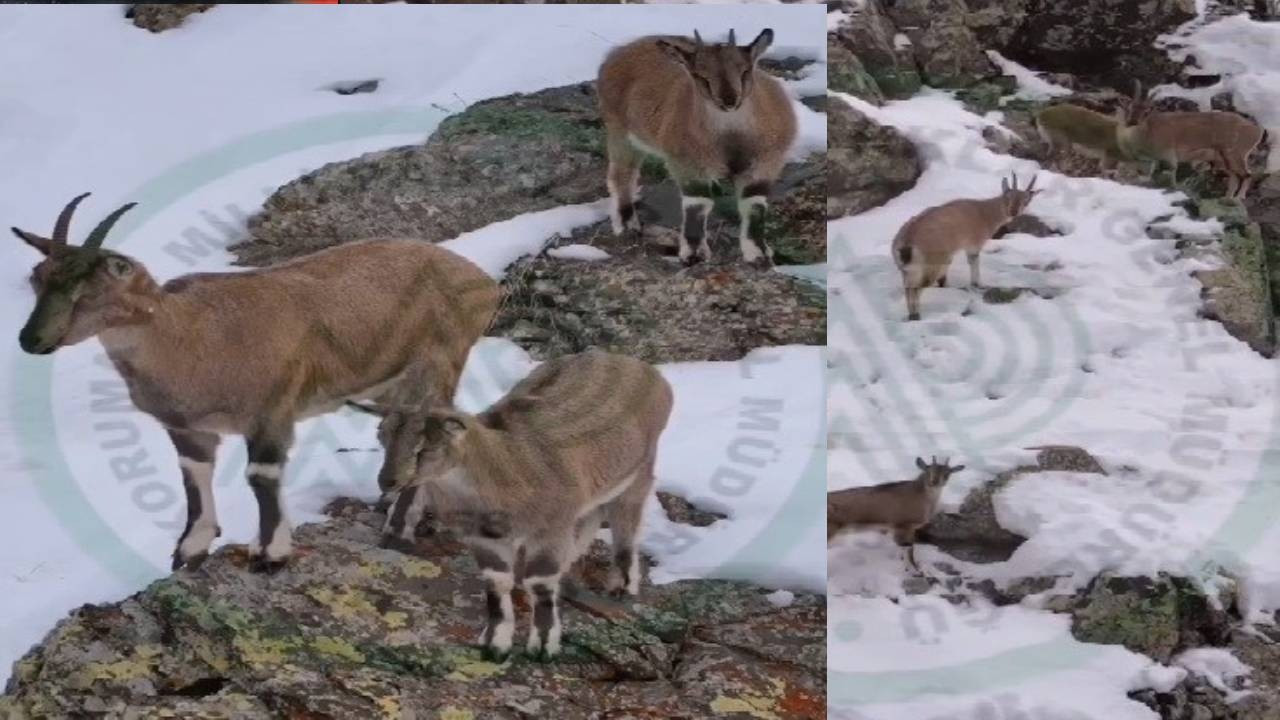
x=697, y=39
x=94, y=241
x=733, y=40
x=63, y=225
x=1033, y=182
x=1015, y=180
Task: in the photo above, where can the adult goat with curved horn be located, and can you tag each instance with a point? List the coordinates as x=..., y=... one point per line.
x=385, y=320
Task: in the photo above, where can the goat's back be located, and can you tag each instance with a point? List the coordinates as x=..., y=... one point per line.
x=897, y=503
x=1190, y=131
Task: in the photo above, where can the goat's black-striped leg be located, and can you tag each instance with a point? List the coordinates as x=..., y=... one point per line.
x=266, y=477
x=695, y=205
x=196, y=451
x=542, y=572
x=753, y=206
x=496, y=559
x=400, y=529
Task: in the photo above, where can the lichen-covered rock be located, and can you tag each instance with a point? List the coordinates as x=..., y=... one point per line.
x=498, y=159
x=947, y=52
x=1154, y=616
x=845, y=73
x=158, y=17
x=867, y=164
x=353, y=630
x=885, y=54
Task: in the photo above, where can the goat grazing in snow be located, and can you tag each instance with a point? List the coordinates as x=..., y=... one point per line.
x=1223, y=139
x=252, y=352
x=901, y=507
x=711, y=115
x=924, y=246
x=572, y=444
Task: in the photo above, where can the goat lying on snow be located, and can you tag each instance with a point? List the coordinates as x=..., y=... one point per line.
x=924, y=246
x=252, y=352
x=902, y=507
x=570, y=446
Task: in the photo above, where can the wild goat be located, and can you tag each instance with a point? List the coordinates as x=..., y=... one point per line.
x=711, y=115
x=1223, y=139
x=901, y=507
x=924, y=246
x=251, y=352
x=1071, y=127
x=572, y=444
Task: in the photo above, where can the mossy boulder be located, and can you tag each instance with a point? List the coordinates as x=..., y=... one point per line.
x=1157, y=617
x=353, y=630
x=867, y=163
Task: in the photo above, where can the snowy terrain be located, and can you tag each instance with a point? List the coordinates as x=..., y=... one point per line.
x=200, y=124
x=1102, y=350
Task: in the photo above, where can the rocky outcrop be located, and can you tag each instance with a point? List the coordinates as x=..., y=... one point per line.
x=521, y=153
x=351, y=630
x=496, y=160
x=867, y=164
x=158, y=17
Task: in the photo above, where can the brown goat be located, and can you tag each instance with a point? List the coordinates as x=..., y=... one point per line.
x=924, y=246
x=252, y=352
x=1223, y=139
x=570, y=446
x=901, y=507
x=711, y=116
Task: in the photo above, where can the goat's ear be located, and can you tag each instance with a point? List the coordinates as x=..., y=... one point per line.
x=760, y=44
x=453, y=427
x=679, y=54
x=957, y=469
x=920, y=463
x=43, y=244
x=118, y=267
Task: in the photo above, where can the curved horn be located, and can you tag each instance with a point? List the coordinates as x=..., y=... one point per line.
x=732, y=39
x=63, y=225
x=1015, y=180
x=697, y=39
x=94, y=241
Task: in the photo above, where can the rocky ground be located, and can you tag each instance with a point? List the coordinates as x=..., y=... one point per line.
x=523, y=153
x=1096, y=48
x=352, y=630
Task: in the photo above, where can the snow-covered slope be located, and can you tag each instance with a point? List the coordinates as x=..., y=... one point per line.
x=1103, y=349
x=200, y=124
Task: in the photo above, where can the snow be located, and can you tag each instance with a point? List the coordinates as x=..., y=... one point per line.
x=781, y=598
x=1030, y=85
x=578, y=252
x=90, y=498
x=1219, y=668
x=1105, y=350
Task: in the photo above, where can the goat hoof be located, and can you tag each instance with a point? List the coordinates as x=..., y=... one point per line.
x=395, y=542
x=913, y=316
x=497, y=655
x=265, y=566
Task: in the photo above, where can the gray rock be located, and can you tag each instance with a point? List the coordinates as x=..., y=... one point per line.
x=868, y=164
x=498, y=159
x=946, y=50
x=158, y=17
x=871, y=35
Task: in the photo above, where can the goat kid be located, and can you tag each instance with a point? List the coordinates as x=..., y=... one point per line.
x=924, y=246
x=711, y=115
x=900, y=507
x=252, y=352
x=570, y=446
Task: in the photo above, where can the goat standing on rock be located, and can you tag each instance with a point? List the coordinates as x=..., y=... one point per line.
x=901, y=507
x=711, y=116
x=923, y=248
x=252, y=352
x=570, y=446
